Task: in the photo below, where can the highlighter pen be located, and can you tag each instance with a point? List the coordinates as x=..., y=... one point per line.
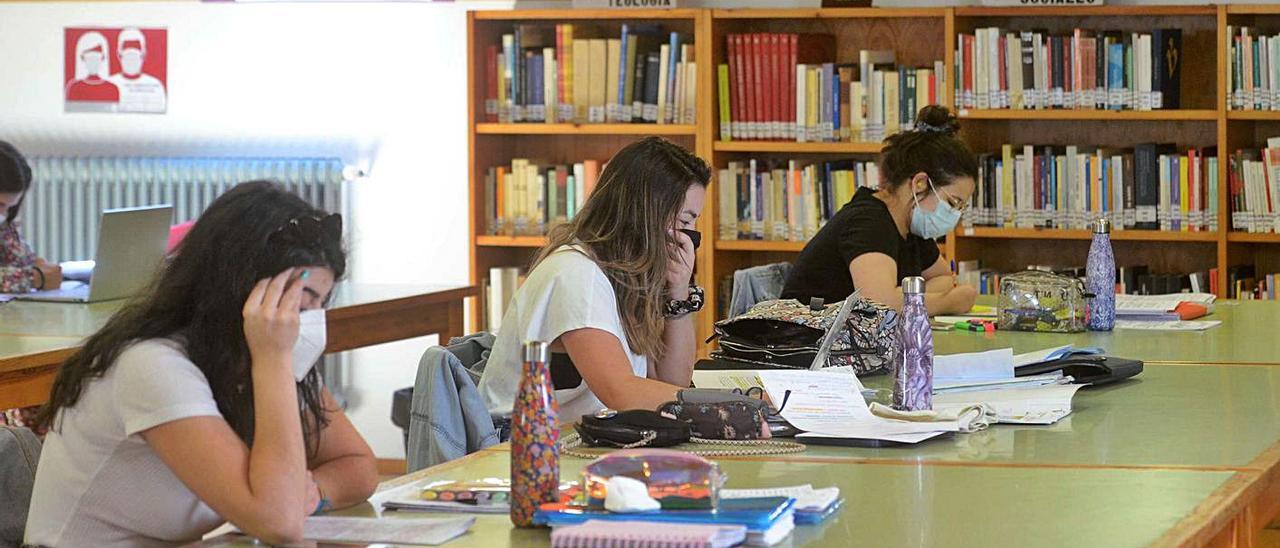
x=967, y=326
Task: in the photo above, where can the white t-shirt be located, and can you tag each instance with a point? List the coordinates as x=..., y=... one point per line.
x=98, y=483
x=567, y=291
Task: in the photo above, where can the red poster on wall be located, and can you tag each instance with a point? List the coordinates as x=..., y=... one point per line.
x=116, y=69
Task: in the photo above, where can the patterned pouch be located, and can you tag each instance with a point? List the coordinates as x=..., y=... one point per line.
x=784, y=333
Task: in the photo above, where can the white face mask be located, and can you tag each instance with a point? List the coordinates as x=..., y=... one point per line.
x=131, y=62
x=311, y=342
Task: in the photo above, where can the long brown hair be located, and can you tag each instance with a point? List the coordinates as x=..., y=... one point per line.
x=623, y=227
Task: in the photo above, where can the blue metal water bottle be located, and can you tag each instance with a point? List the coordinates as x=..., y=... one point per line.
x=1100, y=278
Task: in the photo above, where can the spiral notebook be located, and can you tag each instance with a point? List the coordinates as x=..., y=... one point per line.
x=639, y=534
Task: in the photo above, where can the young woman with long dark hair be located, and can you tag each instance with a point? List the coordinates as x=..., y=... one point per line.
x=198, y=403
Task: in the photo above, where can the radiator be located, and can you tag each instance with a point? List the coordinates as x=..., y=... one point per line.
x=61, y=213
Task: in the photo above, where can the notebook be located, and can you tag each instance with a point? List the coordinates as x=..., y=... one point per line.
x=768, y=520
x=1179, y=306
x=641, y=534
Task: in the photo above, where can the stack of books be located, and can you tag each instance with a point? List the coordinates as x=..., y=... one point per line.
x=1254, y=72
x=788, y=87
x=786, y=200
x=527, y=198
x=1148, y=187
x=769, y=520
x=575, y=74
x=1244, y=282
x=1255, y=188
x=1087, y=69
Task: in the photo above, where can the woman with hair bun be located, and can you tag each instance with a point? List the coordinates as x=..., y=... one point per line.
x=927, y=176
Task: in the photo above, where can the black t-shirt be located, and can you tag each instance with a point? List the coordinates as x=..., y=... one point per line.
x=862, y=226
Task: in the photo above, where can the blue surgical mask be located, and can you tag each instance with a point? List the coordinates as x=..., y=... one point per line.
x=933, y=224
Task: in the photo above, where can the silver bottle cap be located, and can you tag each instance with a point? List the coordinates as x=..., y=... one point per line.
x=912, y=285
x=537, y=351
x=1102, y=226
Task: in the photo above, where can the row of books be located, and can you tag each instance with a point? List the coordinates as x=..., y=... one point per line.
x=576, y=75
x=786, y=200
x=1130, y=280
x=1149, y=187
x=1255, y=188
x=526, y=198
x=1114, y=70
x=787, y=87
x=1248, y=285
x=1254, y=69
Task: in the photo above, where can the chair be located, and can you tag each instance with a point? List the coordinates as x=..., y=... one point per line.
x=448, y=419
x=757, y=284
x=19, y=454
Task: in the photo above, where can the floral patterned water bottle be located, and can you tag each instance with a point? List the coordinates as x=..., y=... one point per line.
x=913, y=361
x=1100, y=278
x=535, y=459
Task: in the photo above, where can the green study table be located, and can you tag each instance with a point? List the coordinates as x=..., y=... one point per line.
x=1181, y=455
x=35, y=337
x=1248, y=334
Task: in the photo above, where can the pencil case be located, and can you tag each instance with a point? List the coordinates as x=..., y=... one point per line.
x=1042, y=301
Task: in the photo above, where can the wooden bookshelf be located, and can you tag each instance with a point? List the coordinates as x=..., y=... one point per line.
x=1055, y=234
x=918, y=36
x=1093, y=115
x=585, y=129
x=511, y=241
x=786, y=147
x=759, y=245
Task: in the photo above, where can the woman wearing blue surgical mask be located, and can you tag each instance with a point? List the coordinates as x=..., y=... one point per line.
x=927, y=177
x=198, y=402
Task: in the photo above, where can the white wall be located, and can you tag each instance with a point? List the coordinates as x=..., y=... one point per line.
x=381, y=85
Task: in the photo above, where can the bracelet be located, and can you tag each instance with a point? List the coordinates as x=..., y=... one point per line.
x=42, y=278
x=678, y=308
x=324, y=505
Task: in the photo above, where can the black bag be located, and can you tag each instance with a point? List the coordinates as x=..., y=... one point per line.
x=1090, y=369
x=786, y=334
x=633, y=428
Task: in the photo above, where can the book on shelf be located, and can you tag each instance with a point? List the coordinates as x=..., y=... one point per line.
x=1253, y=69
x=786, y=200
x=1130, y=280
x=527, y=198
x=1084, y=69
x=1255, y=189
x=572, y=73
x=789, y=87
x=1068, y=187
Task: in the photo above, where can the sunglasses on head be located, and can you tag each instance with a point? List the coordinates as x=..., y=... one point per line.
x=311, y=229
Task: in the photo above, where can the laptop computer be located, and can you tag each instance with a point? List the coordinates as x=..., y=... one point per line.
x=131, y=244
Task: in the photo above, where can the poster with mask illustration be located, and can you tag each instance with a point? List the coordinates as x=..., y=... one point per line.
x=121, y=69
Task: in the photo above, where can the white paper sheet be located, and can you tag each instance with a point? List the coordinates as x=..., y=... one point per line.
x=428, y=531
x=1040, y=405
x=807, y=498
x=1149, y=304
x=975, y=366
x=830, y=404
x=747, y=378
x=1177, y=325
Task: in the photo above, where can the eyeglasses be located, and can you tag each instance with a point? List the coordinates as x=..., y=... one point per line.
x=758, y=393
x=311, y=229
x=957, y=203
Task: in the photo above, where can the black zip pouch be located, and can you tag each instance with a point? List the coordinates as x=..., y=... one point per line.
x=632, y=428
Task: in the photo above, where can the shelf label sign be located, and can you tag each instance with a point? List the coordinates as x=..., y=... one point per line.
x=626, y=4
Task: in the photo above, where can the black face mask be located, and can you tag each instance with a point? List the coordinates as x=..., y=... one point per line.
x=694, y=236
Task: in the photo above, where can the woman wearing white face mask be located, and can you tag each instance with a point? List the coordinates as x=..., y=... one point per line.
x=882, y=236
x=198, y=403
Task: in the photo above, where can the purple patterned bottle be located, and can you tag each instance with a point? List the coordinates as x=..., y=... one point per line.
x=1100, y=278
x=913, y=360
x=535, y=458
